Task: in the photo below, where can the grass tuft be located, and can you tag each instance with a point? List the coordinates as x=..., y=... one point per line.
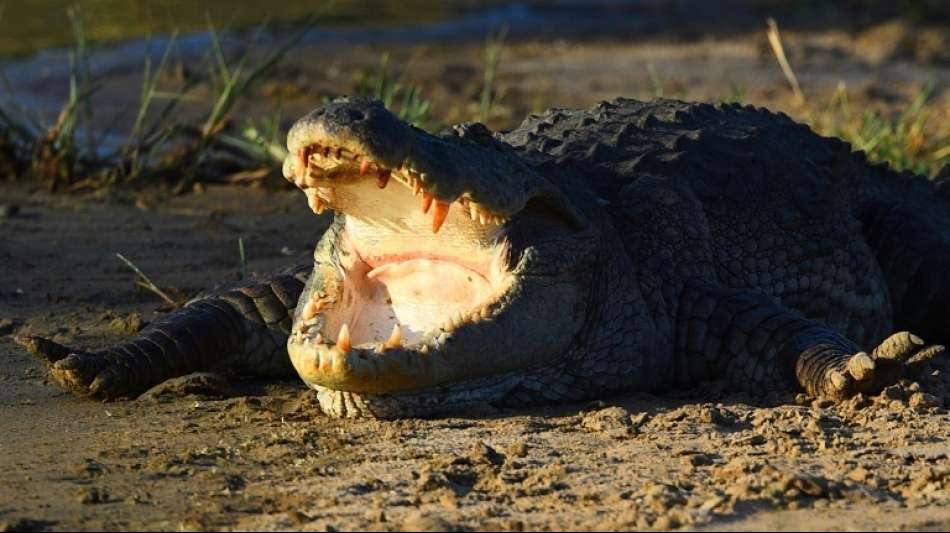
x=494, y=47
x=905, y=140
x=159, y=146
x=404, y=100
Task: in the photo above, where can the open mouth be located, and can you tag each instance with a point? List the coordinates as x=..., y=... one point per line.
x=408, y=271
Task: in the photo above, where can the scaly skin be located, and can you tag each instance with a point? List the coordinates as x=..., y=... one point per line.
x=650, y=246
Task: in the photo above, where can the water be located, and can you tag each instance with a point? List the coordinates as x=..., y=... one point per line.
x=123, y=33
x=27, y=26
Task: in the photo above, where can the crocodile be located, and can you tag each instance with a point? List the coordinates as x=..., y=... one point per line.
x=631, y=246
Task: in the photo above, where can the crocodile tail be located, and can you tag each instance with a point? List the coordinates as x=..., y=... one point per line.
x=906, y=222
x=242, y=330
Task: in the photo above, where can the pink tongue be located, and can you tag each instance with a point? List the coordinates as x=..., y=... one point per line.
x=428, y=292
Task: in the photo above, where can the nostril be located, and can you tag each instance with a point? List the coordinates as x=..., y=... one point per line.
x=355, y=114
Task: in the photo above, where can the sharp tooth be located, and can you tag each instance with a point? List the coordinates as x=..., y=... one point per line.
x=318, y=339
x=460, y=319
x=310, y=310
x=416, y=186
x=395, y=339
x=316, y=204
x=343, y=339
x=426, y=202
x=364, y=167
x=438, y=216
x=424, y=349
x=473, y=210
x=382, y=178
x=303, y=157
x=482, y=217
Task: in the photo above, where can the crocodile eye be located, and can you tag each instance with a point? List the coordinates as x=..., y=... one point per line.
x=356, y=115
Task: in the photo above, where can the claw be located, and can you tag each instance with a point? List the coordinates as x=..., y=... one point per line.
x=837, y=379
x=926, y=354
x=916, y=364
x=861, y=366
x=899, y=346
x=42, y=348
x=78, y=373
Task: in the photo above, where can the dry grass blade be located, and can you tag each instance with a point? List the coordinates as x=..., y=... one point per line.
x=243, y=255
x=494, y=47
x=775, y=40
x=249, y=176
x=146, y=283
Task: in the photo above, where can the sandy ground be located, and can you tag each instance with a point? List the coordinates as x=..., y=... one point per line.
x=263, y=457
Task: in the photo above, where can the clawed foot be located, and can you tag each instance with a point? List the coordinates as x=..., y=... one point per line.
x=82, y=374
x=900, y=355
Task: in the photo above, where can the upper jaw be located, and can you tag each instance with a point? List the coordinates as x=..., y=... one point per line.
x=350, y=182
x=358, y=125
x=452, y=167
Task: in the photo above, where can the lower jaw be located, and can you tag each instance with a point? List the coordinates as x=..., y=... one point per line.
x=476, y=395
x=354, y=336
x=387, y=367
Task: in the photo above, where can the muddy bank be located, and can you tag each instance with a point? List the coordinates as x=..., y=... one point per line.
x=262, y=456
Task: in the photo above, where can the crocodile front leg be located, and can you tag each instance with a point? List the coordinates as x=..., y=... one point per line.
x=761, y=346
x=243, y=330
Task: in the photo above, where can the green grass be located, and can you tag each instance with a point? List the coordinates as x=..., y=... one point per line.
x=159, y=146
x=914, y=139
x=32, y=25
x=494, y=46
x=404, y=99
